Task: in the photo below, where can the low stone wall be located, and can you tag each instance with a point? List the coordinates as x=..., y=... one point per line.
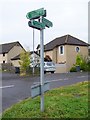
x=7, y=67
x=60, y=68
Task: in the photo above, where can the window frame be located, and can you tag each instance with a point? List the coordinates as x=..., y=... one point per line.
x=76, y=49
x=3, y=54
x=61, y=52
x=4, y=61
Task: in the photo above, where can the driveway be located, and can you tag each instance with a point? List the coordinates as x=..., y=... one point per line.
x=16, y=88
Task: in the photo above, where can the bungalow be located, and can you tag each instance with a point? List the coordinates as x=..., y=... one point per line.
x=33, y=55
x=63, y=51
x=34, y=58
x=9, y=51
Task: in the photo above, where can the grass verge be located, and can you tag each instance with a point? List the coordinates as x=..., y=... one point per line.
x=64, y=102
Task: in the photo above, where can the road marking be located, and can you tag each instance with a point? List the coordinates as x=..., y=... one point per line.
x=53, y=80
x=59, y=80
x=10, y=86
x=81, y=76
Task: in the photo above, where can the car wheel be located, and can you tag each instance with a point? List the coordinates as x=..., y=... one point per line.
x=52, y=72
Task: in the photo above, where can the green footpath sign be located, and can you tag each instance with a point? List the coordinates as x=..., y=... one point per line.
x=37, y=25
x=47, y=22
x=36, y=13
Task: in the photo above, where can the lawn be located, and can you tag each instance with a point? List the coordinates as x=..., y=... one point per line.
x=64, y=102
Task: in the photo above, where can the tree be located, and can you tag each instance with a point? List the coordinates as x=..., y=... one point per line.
x=24, y=62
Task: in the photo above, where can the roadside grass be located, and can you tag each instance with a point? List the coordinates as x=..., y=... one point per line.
x=64, y=102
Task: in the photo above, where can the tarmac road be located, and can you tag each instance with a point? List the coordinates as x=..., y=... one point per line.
x=16, y=88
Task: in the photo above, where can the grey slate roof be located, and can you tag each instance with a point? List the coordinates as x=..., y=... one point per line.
x=31, y=52
x=64, y=40
x=16, y=57
x=5, y=48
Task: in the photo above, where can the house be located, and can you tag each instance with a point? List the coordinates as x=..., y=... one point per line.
x=15, y=61
x=89, y=51
x=63, y=51
x=34, y=56
x=38, y=49
x=10, y=51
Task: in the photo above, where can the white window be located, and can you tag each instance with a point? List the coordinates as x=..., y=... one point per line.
x=3, y=54
x=61, y=50
x=4, y=61
x=77, y=49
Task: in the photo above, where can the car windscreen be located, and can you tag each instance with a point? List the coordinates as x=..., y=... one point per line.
x=50, y=64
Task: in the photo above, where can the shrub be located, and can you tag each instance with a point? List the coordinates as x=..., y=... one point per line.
x=73, y=69
x=29, y=70
x=88, y=65
x=83, y=62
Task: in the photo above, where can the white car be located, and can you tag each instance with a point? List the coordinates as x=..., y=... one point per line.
x=48, y=67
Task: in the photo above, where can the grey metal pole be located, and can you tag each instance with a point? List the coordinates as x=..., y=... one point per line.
x=33, y=51
x=42, y=67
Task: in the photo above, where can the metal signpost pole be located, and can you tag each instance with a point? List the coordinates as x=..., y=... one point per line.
x=42, y=67
x=33, y=51
x=40, y=25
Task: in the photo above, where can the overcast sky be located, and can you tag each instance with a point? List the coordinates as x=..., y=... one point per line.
x=67, y=16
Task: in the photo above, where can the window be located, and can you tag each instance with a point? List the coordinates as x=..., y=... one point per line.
x=3, y=54
x=77, y=49
x=3, y=61
x=61, y=50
